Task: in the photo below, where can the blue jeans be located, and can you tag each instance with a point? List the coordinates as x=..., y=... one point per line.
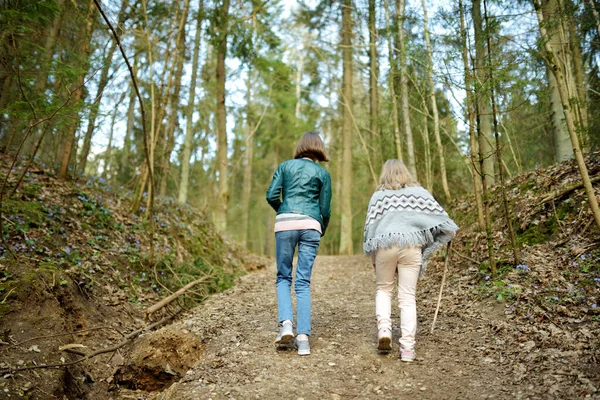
x=307, y=241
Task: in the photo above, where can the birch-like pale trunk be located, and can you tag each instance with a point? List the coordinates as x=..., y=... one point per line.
x=189, y=112
x=434, y=109
x=471, y=119
x=482, y=98
x=404, y=104
x=346, y=244
x=558, y=73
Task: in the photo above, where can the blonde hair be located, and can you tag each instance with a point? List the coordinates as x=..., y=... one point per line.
x=395, y=175
x=310, y=145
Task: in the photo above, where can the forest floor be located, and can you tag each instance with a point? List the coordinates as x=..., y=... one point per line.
x=473, y=352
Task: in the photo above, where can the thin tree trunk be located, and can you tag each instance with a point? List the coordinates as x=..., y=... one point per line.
x=393, y=97
x=486, y=201
x=556, y=69
x=434, y=109
x=125, y=162
x=189, y=133
x=95, y=108
x=108, y=153
x=507, y=213
x=223, y=190
x=346, y=244
x=174, y=102
x=471, y=119
x=373, y=82
x=482, y=97
x=78, y=94
x=404, y=104
x=579, y=74
x=427, y=148
x=248, y=156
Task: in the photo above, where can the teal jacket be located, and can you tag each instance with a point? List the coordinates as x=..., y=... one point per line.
x=305, y=187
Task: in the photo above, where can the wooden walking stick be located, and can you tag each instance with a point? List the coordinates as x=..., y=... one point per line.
x=439, y=302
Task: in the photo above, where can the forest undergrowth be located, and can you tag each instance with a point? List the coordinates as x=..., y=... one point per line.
x=75, y=277
x=75, y=270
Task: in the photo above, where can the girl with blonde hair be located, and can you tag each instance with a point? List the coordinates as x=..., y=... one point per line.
x=404, y=226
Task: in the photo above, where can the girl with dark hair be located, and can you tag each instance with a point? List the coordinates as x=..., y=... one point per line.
x=300, y=192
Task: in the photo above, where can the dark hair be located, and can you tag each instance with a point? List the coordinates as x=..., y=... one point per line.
x=310, y=145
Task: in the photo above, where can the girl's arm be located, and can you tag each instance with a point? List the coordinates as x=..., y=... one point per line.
x=274, y=191
x=325, y=201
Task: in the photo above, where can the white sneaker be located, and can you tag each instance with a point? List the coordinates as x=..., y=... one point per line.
x=303, y=347
x=286, y=334
x=384, y=339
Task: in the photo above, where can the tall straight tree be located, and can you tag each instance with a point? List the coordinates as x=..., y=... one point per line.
x=346, y=245
x=393, y=97
x=404, y=104
x=434, y=109
x=95, y=108
x=189, y=111
x=373, y=80
x=174, y=102
x=223, y=189
x=79, y=90
x=482, y=98
x=558, y=72
x=471, y=118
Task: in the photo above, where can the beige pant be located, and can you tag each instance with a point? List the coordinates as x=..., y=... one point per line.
x=407, y=261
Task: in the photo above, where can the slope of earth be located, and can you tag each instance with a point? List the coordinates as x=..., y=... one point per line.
x=75, y=272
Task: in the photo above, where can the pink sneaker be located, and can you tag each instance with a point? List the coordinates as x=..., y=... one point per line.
x=384, y=339
x=406, y=355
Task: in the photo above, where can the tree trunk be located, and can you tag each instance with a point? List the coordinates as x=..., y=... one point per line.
x=346, y=244
x=108, y=153
x=410, y=148
x=557, y=71
x=78, y=93
x=94, y=110
x=189, y=133
x=174, y=102
x=248, y=155
x=507, y=214
x=373, y=83
x=299, y=74
x=434, y=109
x=427, y=148
x=125, y=162
x=393, y=97
x=482, y=97
x=223, y=190
x=471, y=119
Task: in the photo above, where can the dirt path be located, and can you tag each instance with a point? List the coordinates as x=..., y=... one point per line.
x=240, y=360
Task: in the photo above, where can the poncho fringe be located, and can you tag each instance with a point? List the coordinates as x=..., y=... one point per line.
x=383, y=229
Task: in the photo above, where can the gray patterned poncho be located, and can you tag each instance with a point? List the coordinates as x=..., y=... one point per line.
x=407, y=217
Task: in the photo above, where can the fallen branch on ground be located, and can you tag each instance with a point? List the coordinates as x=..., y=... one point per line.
x=555, y=194
x=167, y=300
